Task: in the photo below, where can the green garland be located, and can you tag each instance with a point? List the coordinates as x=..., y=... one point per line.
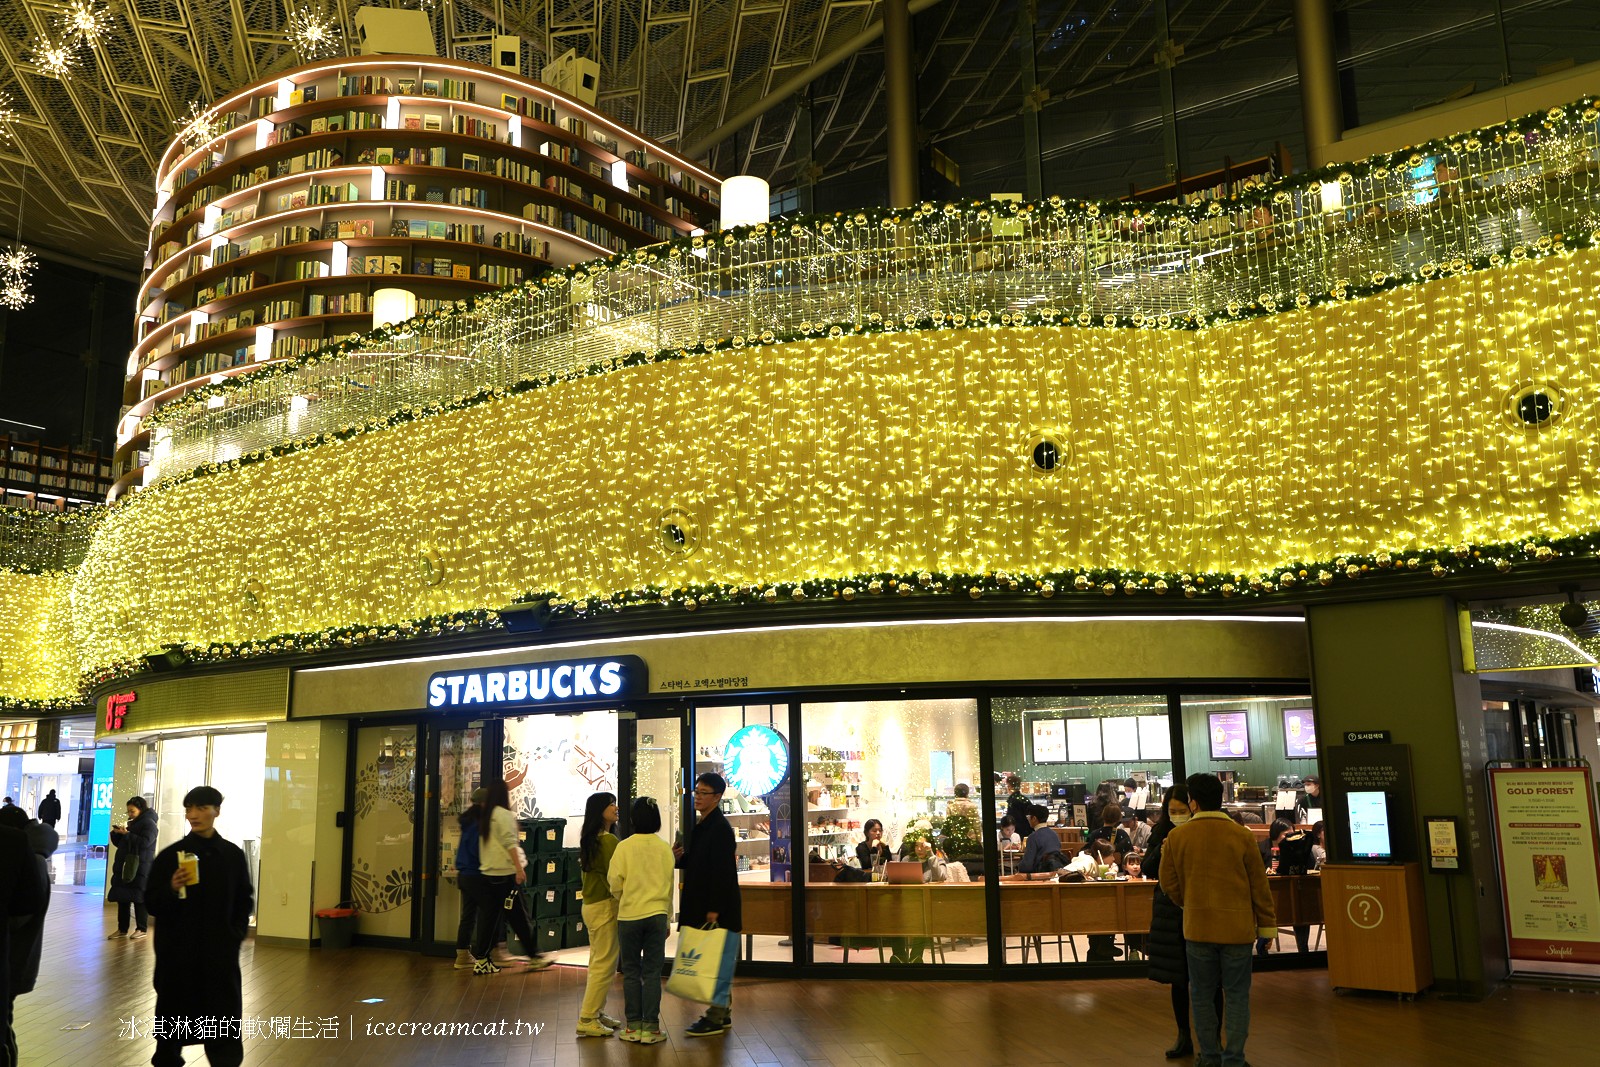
x=1071, y=590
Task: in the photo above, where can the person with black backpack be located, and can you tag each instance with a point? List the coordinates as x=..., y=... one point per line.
x=1295, y=857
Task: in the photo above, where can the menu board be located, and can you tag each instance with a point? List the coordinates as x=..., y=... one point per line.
x=1083, y=740
x=1230, y=735
x=1299, y=734
x=1549, y=867
x=1049, y=741
x=1120, y=739
x=1155, y=737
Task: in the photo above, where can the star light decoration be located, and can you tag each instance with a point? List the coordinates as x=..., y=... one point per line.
x=314, y=34
x=199, y=125
x=16, y=264
x=87, y=20
x=8, y=119
x=56, y=58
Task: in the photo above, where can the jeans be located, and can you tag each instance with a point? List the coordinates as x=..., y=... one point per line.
x=492, y=893
x=642, y=944
x=140, y=916
x=601, y=919
x=1213, y=966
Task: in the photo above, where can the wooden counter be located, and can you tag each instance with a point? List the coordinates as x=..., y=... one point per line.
x=873, y=909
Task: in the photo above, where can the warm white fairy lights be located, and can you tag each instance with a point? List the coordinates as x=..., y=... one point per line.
x=56, y=58
x=314, y=34
x=87, y=20
x=8, y=120
x=199, y=125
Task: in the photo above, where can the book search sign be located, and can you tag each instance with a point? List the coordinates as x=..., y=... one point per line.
x=533, y=685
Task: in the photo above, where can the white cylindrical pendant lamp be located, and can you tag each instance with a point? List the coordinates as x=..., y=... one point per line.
x=391, y=306
x=746, y=201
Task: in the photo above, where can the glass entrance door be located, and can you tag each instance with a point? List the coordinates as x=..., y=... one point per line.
x=382, y=838
x=459, y=759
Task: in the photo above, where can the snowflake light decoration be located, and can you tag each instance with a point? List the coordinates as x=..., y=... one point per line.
x=55, y=58
x=17, y=263
x=87, y=20
x=8, y=119
x=313, y=34
x=198, y=126
x=14, y=294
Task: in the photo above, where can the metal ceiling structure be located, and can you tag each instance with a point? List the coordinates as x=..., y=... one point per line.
x=85, y=145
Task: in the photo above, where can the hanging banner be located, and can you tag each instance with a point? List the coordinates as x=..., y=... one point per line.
x=1549, y=854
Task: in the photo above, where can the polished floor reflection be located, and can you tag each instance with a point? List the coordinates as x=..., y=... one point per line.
x=315, y=1007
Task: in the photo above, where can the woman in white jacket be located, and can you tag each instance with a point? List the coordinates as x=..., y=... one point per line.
x=641, y=879
x=502, y=870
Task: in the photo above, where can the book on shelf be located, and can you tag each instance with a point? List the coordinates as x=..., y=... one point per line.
x=345, y=229
x=471, y=161
x=371, y=264
x=385, y=156
x=356, y=265
x=400, y=228
x=462, y=271
x=319, y=125
x=366, y=155
x=441, y=266
x=394, y=264
x=365, y=85
x=411, y=122
x=334, y=123
x=417, y=228
x=437, y=229
x=509, y=102
x=408, y=87
x=364, y=228
x=430, y=87
x=422, y=266
x=432, y=122
x=436, y=194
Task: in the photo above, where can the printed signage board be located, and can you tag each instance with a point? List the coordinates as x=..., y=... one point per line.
x=1230, y=735
x=537, y=685
x=1549, y=855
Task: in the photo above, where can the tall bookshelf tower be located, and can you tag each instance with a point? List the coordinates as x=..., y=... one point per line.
x=273, y=229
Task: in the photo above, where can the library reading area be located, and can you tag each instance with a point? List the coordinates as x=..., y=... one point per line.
x=600, y=432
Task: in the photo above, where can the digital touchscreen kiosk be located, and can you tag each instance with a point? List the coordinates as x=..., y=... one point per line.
x=1369, y=826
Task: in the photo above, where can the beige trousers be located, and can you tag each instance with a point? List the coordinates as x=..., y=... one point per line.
x=601, y=919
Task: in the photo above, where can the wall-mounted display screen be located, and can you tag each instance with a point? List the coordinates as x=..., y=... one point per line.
x=1299, y=734
x=1120, y=739
x=1230, y=735
x=1083, y=741
x=1369, y=825
x=1155, y=738
x=1049, y=741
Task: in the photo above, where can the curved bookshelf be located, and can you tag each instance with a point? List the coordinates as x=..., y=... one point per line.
x=349, y=175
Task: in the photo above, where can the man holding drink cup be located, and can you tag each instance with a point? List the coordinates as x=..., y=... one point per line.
x=200, y=896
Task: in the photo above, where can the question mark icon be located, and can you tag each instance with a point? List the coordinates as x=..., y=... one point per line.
x=1365, y=911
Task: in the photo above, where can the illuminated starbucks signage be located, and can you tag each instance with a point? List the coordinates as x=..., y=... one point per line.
x=539, y=684
x=755, y=760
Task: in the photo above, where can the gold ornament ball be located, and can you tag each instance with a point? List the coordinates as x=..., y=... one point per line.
x=1189, y=591
x=975, y=593
x=770, y=595
x=904, y=589
x=1352, y=571
x=1081, y=582
x=1440, y=570
x=1413, y=563
x=798, y=595
x=1502, y=565
x=849, y=593
x=1544, y=554
x=1047, y=590
x=874, y=588
x=1109, y=589
x=1161, y=587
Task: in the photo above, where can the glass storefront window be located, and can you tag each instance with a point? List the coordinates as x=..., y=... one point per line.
x=912, y=890
x=1092, y=768
x=757, y=769
x=460, y=771
x=182, y=762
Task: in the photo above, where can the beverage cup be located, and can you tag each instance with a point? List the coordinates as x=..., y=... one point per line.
x=190, y=862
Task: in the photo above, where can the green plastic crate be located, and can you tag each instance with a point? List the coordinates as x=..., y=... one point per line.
x=548, y=868
x=550, y=933
x=574, y=865
x=544, y=835
x=572, y=897
x=515, y=946
x=577, y=934
x=549, y=901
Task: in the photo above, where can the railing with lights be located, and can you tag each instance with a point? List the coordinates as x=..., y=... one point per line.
x=1478, y=201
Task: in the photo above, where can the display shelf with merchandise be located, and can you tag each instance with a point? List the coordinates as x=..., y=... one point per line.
x=306, y=193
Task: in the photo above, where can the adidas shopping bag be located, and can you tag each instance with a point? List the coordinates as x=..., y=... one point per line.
x=703, y=971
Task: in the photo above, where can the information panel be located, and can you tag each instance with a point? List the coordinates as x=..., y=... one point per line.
x=1549, y=867
x=1049, y=741
x=1083, y=740
x=1121, y=739
x=1299, y=734
x=1155, y=738
x=1230, y=735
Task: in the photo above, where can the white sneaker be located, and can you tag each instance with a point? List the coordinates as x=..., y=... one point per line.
x=606, y=1020
x=593, y=1028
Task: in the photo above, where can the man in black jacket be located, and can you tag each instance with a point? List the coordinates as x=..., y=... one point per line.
x=710, y=883
x=200, y=924
x=20, y=894
x=50, y=810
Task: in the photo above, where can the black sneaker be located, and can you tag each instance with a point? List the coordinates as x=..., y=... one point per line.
x=705, y=1027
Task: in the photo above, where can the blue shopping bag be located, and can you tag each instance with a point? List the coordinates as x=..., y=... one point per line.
x=703, y=969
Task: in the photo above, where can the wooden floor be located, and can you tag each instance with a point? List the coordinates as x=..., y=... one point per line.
x=1297, y=1020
